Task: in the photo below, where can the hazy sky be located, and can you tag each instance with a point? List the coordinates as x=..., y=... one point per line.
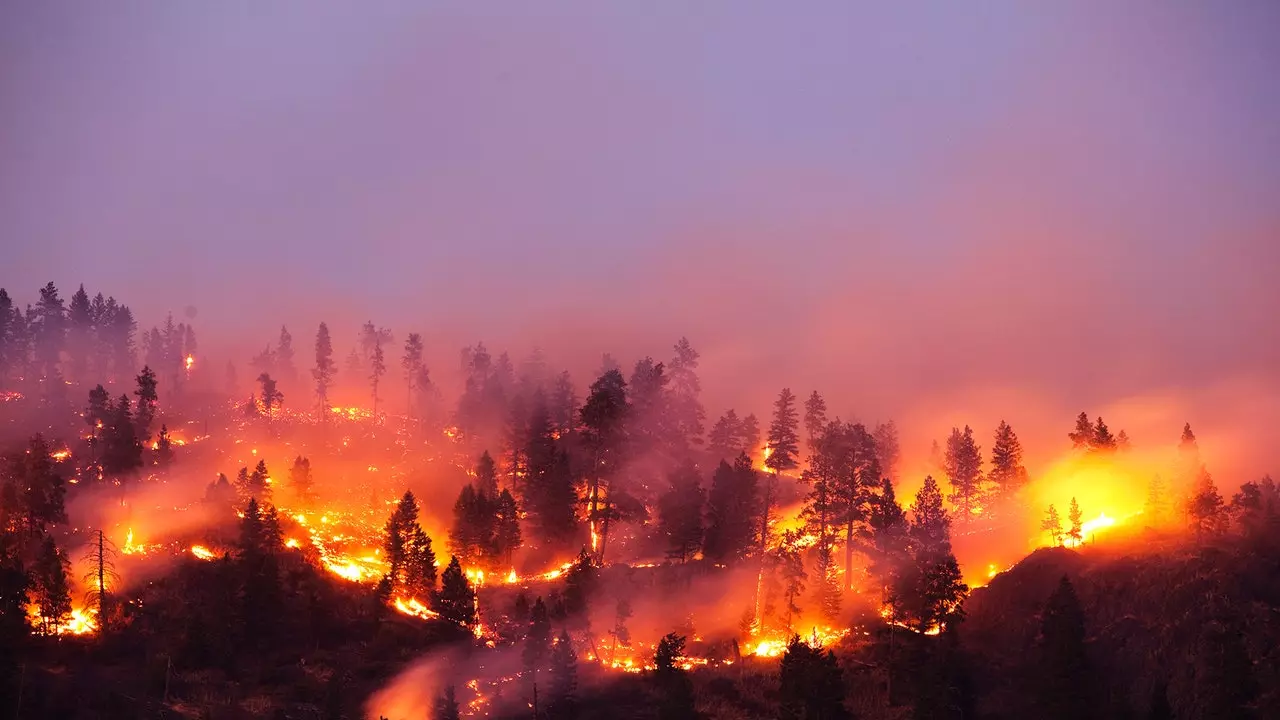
x=1064, y=204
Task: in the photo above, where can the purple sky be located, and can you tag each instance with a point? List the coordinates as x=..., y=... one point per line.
x=1062, y=204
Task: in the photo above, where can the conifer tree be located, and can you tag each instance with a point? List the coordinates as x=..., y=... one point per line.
x=811, y=686
x=730, y=510
x=928, y=591
x=506, y=527
x=1052, y=524
x=398, y=538
x=687, y=413
x=324, y=371
x=1082, y=436
x=300, y=479
x=857, y=480
x=563, y=408
x=122, y=451
x=604, y=417
x=148, y=401
x=827, y=591
x=1123, y=444
x=815, y=418
x=446, y=705
x=456, y=601
x=1064, y=673
x=1074, y=516
x=1103, y=441
x=412, y=364
x=749, y=435
x=889, y=542
x=1205, y=508
x=377, y=368
x=164, y=447
x=284, y=357
x=672, y=680
x=561, y=694
x=621, y=614
x=964, y=472
x=79, y=336
x=8, y=337
x=271, y=396
x=40, y=492
x=680, y=512
x=1007, y=475
x=49, y=338
x=549, y=496
x=724, y=440
x=51, y=595
x=888, y=448
x=537, y=644
x=102, y=575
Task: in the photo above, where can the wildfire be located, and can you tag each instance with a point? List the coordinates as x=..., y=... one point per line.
x=191, y=360
x=60, y=455
x=414, y=608
x=202, y=552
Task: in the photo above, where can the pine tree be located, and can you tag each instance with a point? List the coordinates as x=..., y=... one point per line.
x=1156, y=508
x=300, y=479
x=148, y=401
x=412, y=364
x=580, y=582
x=815, y=418
x=888, y=524
x=506, y=527
x=1008, y=475
x=164, y=447
x=1052, y=524
x=324, y=371
x=51, y=595
x=1103, y=441
x=811, y=686
x=260, y=481
x=8, y=338
x=859, y=477
x=687, y=413
x=398, y=538
x=1123, y=444
x=827, y=592
x=928, y=591
x=561, y=699
x=1082, y=437
x=420, y=565
x=680, y=512
x=564, y=405
x=730, y=509
x=1204, y=508
x=1064, y=673
x=456, y=601
x=40, y=490
x=829, y=465
x=446, y=707
x=102, y=575
x=749, y=435
x=537, y=644
x=377, y=368
x=672, y=680
x=783, y=443
x=49, y=338
x=621, y=614
x=723, y=442
x=122, y=451
x=284, y=357
x=964, y=472
x=604, y=416
x=271, y=397
x=549, y=496
x=79, y=335
x=888, y=448
x=1074, y=517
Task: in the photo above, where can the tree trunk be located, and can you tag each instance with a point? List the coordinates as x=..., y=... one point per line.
x=848, y=554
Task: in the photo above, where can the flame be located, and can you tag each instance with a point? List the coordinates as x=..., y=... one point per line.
x=414, y=608
x=60, y=455
x=512, y=578
x=291, y=543
x=189, y=362
x=202, y=552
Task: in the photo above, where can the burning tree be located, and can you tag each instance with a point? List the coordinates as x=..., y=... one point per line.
x=604, y=418
x=102, y=574
x=271, y=397
x=888, y=448
x=50, y=592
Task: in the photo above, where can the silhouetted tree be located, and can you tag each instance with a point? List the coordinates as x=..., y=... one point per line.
x=888, y=448
x=79, y=336
x=324, y=370
x=549, y=497
x=420, y=565
x=32, y=480
x=687, y=413
x=1204, y=508
x=122, y=451
x=456, y=601
x=680, y=512
x=412, y=364
x=889, y=540
x=604, y=417
x=1223, y=681
x=725, y=441
x=673, y=681
x=446, y=707
x=563, y=408
x=300, y=479
x=815, y=418
x=929, y=591
x=50, y=593
x=856, y=481
x=537, y=645
x=964, y=472
x=1007, y=475
x=730, y=511
x=1123, y=444
x=271, y=397
x=377, y=368
x=49, y=338
x=1103, y=440
x=284, y=357
x=1066, y=689
x=148, y=402
x=811, y=686
x=164, y=447
x=506, y=527
x=561, y=695
x=1082, y=436
x=398, y=538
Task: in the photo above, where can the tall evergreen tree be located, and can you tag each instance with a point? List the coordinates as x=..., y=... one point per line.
x=929, y=591
x=284, y=357
x=563, y=408
x=537, y=646
x=1082, y=436
x=1205, y=509
x=561, y=694
x=548, y=495
x=964, y=472
x=33, y=479
x=412, y=364
x=377, y=368
x=8, y=338
x=889, y=540
x=51, y=594
x=148, y=402
x=687, y=413
x=79, y=336
x=398, y=538
x=324, y=371
x=815, y=418
x=680, y=512
x=730, y=511
x=724, y=441
x=49, y=338
x=420, y=564
x=672, y=680
x=781, y=450
x=856, y=483
x=1066, y=687
x=164, y=447
x=1008, y=475
x=447, y=705
x=271, y=396
x=506, y=532
x=122, y=450
x=1103, y=440
x=300, y=479
x=604, y=417
x=456, y=601
x=888, y=448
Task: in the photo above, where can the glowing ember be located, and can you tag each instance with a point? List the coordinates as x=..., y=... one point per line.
x=202, y=552
x=414, y=608
x=61, y=455
x=189, y=362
